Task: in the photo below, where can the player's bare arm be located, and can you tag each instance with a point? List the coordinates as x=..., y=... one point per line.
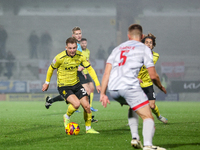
x=155, y=78
x=80, y=68
x=104, y=83
x=45, y=86
x=98, y=88
x=104, y=100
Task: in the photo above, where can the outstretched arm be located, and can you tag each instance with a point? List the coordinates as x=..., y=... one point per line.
x=48, y=78
x=155, y=78
x=103, y=98
x=94, y=77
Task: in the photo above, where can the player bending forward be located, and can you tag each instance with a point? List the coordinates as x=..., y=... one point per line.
x=69, y=85
x=120, y=76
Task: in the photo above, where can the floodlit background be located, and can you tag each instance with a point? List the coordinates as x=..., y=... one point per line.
x=175, y=23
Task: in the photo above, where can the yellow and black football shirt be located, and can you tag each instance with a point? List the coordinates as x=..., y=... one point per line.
x=67, y=67
x=144, y=75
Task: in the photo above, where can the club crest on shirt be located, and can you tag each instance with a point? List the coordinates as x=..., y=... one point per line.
x=54, y=61
x=77, y=61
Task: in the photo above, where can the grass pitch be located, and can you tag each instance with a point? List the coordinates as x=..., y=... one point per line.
x=30, y=126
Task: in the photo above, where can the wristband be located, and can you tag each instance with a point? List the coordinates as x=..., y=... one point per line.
x=47, y=82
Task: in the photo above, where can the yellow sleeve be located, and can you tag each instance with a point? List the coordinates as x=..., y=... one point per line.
x=89, y=55
x=49, y=73
x=56, y=62
x=155, y=57
x=84, y=62
x=93, y=75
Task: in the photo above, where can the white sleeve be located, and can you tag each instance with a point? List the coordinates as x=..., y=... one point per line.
x=148, y=58
x=111, y=57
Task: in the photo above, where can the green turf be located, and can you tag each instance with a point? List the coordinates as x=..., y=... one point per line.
x=30, y=126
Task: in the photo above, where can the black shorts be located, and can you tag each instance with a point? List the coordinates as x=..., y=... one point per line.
x=82, y=78
x=77, y=89
x=149, y=91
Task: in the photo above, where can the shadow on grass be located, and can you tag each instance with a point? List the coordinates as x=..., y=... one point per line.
x=113, y=120
x=54, y=114
x=116, y=131
x=33, y=129
x=179, y=145
x=22, y=137
x=14, y=142
x=186, y=122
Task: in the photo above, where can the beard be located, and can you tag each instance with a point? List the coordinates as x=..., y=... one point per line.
x=84, y=48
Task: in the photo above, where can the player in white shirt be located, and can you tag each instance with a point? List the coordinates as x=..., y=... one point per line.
x=120, y=76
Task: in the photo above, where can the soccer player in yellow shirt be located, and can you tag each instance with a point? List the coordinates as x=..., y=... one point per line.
x=145, y=80
x=69, y=85
x=77, y=34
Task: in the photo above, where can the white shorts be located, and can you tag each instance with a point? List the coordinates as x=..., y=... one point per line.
x=135, y=98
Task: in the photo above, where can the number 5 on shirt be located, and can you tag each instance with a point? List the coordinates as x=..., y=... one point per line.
x=123, y=56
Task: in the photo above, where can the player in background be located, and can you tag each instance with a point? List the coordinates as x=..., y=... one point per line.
x=87, y=81
x=69, y=85
x=146, y=82
x=120, y=76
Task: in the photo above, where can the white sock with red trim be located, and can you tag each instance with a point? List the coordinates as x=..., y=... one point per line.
x=133, y=123
x=148, y=131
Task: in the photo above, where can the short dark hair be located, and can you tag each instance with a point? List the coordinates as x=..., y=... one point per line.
x=83, y=39
x=71, y=40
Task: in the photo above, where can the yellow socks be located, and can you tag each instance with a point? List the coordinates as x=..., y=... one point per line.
x=70, y=110
x=156, y=111
x=91, y=98
x=88, y=118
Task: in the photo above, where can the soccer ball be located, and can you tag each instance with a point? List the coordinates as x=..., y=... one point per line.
x=72, y=128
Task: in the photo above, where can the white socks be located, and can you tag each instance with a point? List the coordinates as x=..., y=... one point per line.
x=133, y=123
x=148, y=131
x=87, y=127
x=66, y=116
x=148, y=128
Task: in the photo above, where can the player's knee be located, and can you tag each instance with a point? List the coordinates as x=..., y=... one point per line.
x=77, y=105
x=87, y=108
x=152, y=105
x=149, y=116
